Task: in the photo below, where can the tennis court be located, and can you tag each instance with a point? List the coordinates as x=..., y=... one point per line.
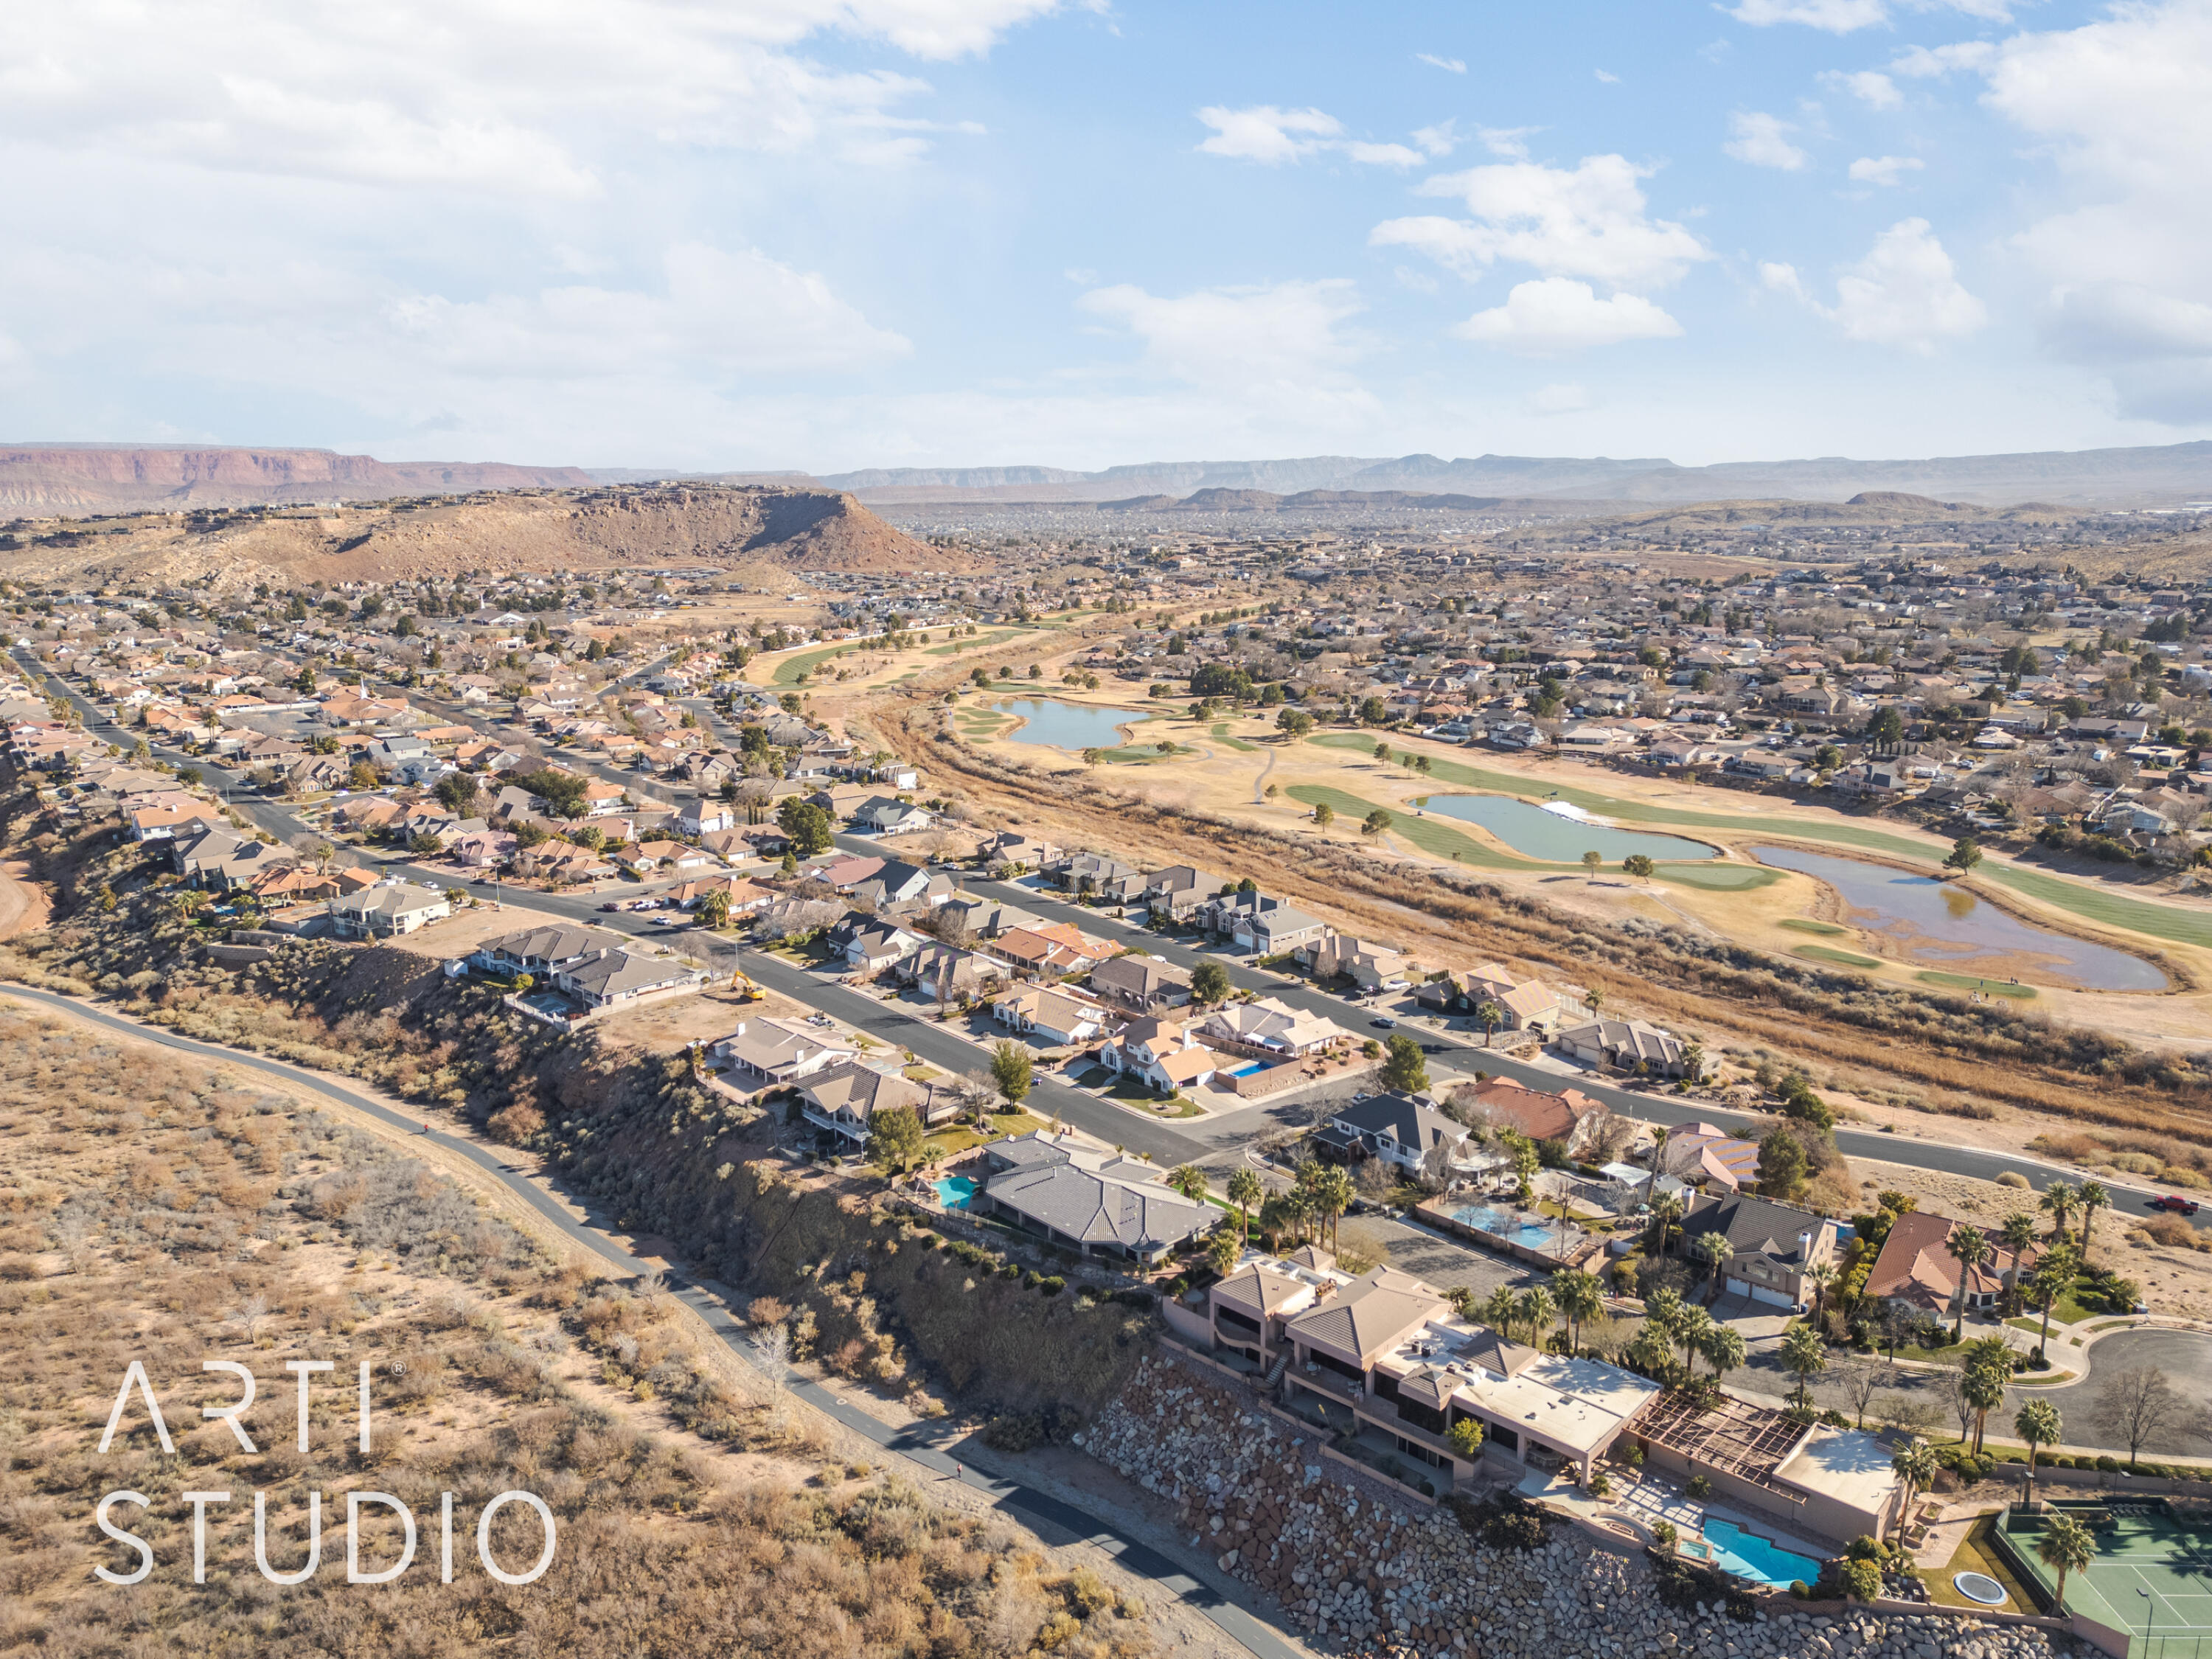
x=2152, y=1577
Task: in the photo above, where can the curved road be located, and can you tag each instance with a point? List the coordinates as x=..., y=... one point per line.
x=923, y=1444
x=2092, y=1415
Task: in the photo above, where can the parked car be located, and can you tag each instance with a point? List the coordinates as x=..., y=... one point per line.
x=2176, y=1204
x=612, y=904
x=1383, y=1023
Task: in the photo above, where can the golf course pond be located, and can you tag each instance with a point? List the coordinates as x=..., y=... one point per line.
x=1057, y=724
x=1938, y=923
x=1559, y=837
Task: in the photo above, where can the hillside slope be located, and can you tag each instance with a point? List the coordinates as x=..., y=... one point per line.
x=760, y=533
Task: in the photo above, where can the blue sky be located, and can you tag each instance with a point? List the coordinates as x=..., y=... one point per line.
x=825, y=234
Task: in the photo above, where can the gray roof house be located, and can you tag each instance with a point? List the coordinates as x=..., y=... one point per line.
x=844, y=1098
x=535, y=949
x=1772, y=1246
x=387, y=910
x=1145, y=984
x=1099, y=1203
x=606, y=979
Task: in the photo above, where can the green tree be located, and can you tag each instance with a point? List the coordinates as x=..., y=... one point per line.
x=1715, y=1249
x=808, y=825
x=895, y=1139
x=1209, y=983
x=1639, y=865
x=1538, y=1312
x=1294, y=722
x=1333, y=1194
x=714, y=908
x=2053, y=1278
x=1861, y=1580
x=1466, y=1438
x=1723, y=1348
x=1376, y=822
x=2018, y=1234
x=1580, y=1295
x=424, y=843
x=2037, y=1424
x=1916, y=1466
x=1245, y=1190
x=1188, y=1180
x=1803, y=1356
x=1490, y=1017
x=1782, y=1164
x=1324, y=815
x=1405, y=1068
x=1969, y=1248
x=1965, y=853
x=1983, y=1387
x=1013, y=1070
x=2057, y=1202
x=457, y=793
x=562, y=791
x=2065, y=1546
x=1373, y=711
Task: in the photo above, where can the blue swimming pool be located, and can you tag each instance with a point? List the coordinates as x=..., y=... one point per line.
x=953, y=1192
x=1504, y=1223
x=1760, y=1559
x=1248, y=1069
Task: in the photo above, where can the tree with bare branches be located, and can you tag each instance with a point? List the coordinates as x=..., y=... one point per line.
x=2142, y=1402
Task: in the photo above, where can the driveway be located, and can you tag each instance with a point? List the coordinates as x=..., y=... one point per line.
x=1754, y=1321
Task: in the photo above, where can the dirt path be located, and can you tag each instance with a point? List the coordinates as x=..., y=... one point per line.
x=24, y=906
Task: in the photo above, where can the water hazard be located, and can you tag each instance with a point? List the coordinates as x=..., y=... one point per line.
x=1531, y=831
x=1058, y=724
x=1940, y=923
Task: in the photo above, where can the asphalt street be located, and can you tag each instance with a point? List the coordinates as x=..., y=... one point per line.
x=924, y=1445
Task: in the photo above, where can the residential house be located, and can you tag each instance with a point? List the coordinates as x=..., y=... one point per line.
x=900, y=883
x=1369, y=966
x=1627, y=1045
x=767, y=1054
x=1570, y=1117
x=1269, y=1026
x=704, y=818
x=949, y=973
x=1094, y=873
x=1250, y=1310
x=1049, y=949
x=1706, y=1155
x=387, y=910
x=1058, y=1017
x=1400, y=1129
x=1772, y=1247
x=1265, y=927
x=885, y=816
x=539, y=951
x=1095, y=1203
x=870, y=945
x=1915, y=1268
x=1522, y=1004
x=843, y=875
x=1144, y=984
x=1162, y=1053
x=843, y=1099
x=609, y=978
x=1176, y=893
x=987, y=918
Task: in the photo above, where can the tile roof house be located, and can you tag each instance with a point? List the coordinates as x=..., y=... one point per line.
x=1271, y=1027
x=1095, y=1202
x=1771, y=1246
x=387, y=910
x=1057, y=1015
x=1369, y=966
x=844, y=1098
x=1627, y=1044
x=1162, y=1053
x=772, y=1053
x=1914, y=1267
x=1396, y=1127
x=538, y=951
x=609, y=978
x=1570, y=1116
x=1702, y=1154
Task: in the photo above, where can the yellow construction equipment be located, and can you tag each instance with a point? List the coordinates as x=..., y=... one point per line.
x=746, y=990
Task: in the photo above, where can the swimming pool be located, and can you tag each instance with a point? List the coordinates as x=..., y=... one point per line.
x=1248, y=1069
x=1504, y=1223
x=1760, y=1559
x=953, y=1192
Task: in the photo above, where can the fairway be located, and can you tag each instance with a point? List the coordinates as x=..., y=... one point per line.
x=793, y=667
x=2152, y=1577
x=1830, y=954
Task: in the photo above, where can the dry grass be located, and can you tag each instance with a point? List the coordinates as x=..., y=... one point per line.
x=172, y=1214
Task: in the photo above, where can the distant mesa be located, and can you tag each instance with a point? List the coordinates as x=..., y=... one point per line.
x=1896, y=500
x=45, y=480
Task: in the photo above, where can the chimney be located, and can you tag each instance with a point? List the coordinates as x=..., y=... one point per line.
x=740, y=1031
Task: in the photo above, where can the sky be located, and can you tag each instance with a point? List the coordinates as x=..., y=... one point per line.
x=824, y=234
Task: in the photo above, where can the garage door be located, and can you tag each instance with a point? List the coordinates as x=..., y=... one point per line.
x=1737, y=1287
x=1773, y=1298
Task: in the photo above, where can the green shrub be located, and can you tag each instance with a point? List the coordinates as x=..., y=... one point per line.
x=1052, y=1285
x=2109, y=1464
x=1698, y=1486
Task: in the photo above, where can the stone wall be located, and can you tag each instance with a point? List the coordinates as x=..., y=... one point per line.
x=1353, y=1564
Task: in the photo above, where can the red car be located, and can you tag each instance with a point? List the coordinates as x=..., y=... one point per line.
x=2176, y=1203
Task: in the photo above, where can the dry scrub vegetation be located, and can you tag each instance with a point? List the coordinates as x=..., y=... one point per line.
x=156, y=1210
x=1972, y=1051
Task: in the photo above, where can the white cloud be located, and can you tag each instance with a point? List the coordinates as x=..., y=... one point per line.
x=1271, y=135
x=1511, y=142
x=1237, y=338
x=1905, y=292
x=1884, y=170
x=1930, y=63
x=1562, y=399
x=1589, y=221
x=1835, y=16
x=1452, y=65
x=1543, y=318
x=1608, y=77
x=1264, y=133
x=1843, y=16
x=1761, y=141
x=1440, y=139
x=1870, y=87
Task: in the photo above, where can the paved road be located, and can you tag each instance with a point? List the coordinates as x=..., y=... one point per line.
x=924, y=1445
x=2091, y=1411
x=1111, y=1124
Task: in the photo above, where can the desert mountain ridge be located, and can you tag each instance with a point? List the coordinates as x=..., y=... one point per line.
x=759, y=535
x=52, y=480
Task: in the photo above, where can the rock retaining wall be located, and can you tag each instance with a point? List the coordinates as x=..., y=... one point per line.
x=1351, y=1564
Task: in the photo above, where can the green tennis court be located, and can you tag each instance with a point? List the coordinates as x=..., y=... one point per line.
x=2152, y=1577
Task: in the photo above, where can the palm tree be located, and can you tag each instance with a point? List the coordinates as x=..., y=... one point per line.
x=1499, y=1312
x=2065, y=1546
x=1580, y=1297
x=1820, y=1275
x=1490, y=1017
x=2019, y=1237
x=2039, y=1424
x=2052, y=1280
x=1245, y=1190
x=1715, y=1250
x=2092, y=1198
x=1802, y=1356
x=1188, y=1180
x=1984, y=1388
x=2057, y=1202
x=1538, y=1309
x=1689, y=1334
x=1278, y=1216
x=1969, y=1249
x=1335, y=1195
x=1916, y=1466
x=1722, y=1349
x=1304, y=1207
x=1663, y=1307
x=1666, y=1210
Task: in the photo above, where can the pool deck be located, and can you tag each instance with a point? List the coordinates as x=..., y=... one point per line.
x=1645, y=1500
